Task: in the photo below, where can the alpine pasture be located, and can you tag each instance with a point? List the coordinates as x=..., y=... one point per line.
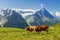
x=22, y=34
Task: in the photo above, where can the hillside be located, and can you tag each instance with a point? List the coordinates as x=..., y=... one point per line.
x=21, y=34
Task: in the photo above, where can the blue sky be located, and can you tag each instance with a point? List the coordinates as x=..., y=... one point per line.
x=50, y=5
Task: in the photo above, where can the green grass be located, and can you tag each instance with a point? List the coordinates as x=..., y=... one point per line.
x=21, y=34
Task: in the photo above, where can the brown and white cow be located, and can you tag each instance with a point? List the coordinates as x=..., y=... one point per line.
x=37, y=28
x=30, y=28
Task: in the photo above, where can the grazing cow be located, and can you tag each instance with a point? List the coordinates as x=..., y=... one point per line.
x=41, y=28
x=37, y=28
x=30, y=28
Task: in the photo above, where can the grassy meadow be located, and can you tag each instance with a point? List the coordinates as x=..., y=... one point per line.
x=22, y=34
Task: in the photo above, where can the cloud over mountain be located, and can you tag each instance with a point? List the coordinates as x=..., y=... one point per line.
x=25, y=12
x=57, y=13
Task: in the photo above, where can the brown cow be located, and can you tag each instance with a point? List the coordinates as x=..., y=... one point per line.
x=42, y=28
x=37, y=28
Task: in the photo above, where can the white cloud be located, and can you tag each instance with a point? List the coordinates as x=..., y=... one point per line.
x=24, y=10
x=57, y=13
x=17, y=9
x=25, y=14
x=28, y=10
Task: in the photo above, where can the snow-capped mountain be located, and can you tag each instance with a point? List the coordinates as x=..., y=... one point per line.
x=11, y=18
x=22, y=18
x=8, y=17
x=41, y=17
x=16, y=20
x=44, y=17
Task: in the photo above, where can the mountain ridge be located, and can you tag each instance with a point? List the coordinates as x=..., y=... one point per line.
x=39, y=17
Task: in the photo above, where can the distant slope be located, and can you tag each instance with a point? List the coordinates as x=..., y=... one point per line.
x=41, y=17
x=44, y=17
x=16, y=20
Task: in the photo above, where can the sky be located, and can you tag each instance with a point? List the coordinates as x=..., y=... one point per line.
x=50, y=5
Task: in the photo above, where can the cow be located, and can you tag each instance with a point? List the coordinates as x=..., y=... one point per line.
x=38, y=29
x=42, y=28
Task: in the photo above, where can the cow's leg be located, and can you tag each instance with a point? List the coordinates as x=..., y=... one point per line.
x=38, y=32
x=47, y=31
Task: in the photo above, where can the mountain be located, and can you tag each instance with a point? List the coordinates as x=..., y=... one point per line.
x=41, y=17
x=8, y=17
x=44, y=17
x=22, y=18
x=16, y=20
